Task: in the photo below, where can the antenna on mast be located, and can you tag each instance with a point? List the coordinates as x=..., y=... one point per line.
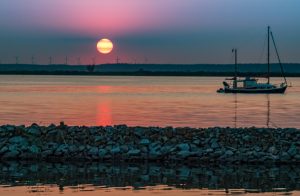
x=50, y=60
x=66, y=60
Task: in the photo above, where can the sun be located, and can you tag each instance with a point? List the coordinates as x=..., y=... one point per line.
x=105, y=46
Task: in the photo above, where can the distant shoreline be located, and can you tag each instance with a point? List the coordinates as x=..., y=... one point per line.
x=145, y=73
x=123, y=69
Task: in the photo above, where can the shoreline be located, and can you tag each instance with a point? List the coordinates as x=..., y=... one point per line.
x=147, y=73
x=121, y=143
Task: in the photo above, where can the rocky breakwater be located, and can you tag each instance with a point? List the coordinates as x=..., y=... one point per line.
x=128, y=144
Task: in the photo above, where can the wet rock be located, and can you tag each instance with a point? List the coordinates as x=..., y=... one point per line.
x=34, y=130
x=145, y=142
x=292, y=150
x=94, y=151
x=184, y=147
x=229, y=153
x=18, y=140
x=115, y=150
x=3, y=149
x=34, y=149
x=134, y=152
x=12, y=152
x=61, y=150
x=98, y=138
x=102, y=153
x=273, y=150
x=285, y=157
x=215, y=145
x=184, y=154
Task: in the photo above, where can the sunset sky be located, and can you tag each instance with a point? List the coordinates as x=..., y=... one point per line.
x=152, y=31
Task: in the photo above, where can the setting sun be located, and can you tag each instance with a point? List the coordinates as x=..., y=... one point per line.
x=105, y=46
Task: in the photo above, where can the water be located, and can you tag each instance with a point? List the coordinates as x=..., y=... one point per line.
x=76, y=179
x=145, y=101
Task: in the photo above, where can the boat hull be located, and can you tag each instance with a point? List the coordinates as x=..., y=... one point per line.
x=256, y=91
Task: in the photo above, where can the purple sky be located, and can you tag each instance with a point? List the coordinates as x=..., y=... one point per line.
x=156, y=31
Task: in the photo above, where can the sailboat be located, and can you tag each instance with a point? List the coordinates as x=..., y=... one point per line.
x=252, y=85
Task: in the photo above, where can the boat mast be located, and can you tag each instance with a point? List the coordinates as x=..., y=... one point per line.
x=268, y=55
x=235, y=68
x=235, y=62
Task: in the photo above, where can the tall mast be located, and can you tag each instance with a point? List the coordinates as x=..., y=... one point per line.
x=268, y=55
x=235, y=68
x=235, y=62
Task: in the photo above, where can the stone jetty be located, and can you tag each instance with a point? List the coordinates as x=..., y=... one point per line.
x=153, y=144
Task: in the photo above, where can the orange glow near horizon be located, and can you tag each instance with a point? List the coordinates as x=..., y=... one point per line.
x=105, y=46
x=104, y=114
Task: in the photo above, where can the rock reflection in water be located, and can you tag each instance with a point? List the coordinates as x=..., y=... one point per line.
x=89, y=176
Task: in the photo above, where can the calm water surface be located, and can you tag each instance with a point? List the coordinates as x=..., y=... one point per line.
x=33, y=179
x=146, y=101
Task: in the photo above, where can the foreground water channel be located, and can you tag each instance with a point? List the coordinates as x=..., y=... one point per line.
x=28, y=178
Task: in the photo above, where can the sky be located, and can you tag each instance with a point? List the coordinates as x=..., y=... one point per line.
x=147, y=31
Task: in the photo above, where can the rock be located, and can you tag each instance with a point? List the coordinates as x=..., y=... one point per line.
x=10, y=128
x=134, y=152
x=124, y=148
x=247, y=138
x=12, y=152
x=229, y=153
x=98, y=138
x=218, y=153
x=285, y=157
x=34, y=149
x=45, y=154
x=145, y=142
x=197, y=142
x=102, y=153
x=18, y=140
x=50, y=146
x=209, y=150
x=292, y=150
x=73, y=149
x=273, y=150
x=115, y=150
x=166, y=149
x=3, y=149
x=184, y=173
x=297, y=157
x=34, y=130
x=184, y=154
x=94, y=151
x=139, y=131
x=61, y=150
x=155, y=154
x=257, y=148
x=215, y=145
x=184, y=147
